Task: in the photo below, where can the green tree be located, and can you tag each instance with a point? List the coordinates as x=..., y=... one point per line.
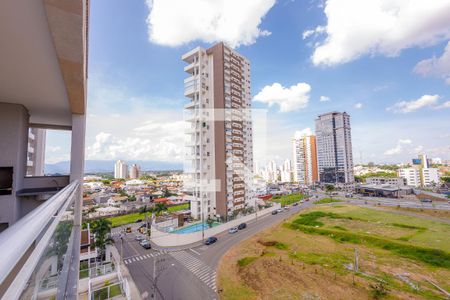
x=210, y=222
x=101, y=229
x=329, y=188
x=160, y=208
x=132, y=198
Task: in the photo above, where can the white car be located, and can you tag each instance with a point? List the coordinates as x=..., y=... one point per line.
x=233, y=230
x=280, y=210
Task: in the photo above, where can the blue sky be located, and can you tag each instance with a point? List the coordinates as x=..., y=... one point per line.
x=391, y=77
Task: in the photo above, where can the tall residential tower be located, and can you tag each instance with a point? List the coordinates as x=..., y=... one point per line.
x=219, y=145
x=334, y=148
x=305, y=159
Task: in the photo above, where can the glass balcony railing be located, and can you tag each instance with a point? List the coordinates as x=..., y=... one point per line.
x=40, y=252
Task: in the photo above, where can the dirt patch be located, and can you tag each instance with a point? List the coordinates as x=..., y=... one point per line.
x=313, y=267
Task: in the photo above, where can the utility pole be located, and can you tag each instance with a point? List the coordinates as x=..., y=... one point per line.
x=121, y=247
x=154, y=280
x=356, y=260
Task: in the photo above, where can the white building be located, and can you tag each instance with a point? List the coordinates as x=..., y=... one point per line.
x=286, y=171
x=334, y=148
x=219, y=156
x=120, y=169
x=418, y=177
x=36, y=152
x=430, y=176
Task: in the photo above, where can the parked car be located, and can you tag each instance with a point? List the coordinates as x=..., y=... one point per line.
x=295, y=204
x=210, y=240
x=301, y=201
x=233, y=230
x=146, y=244
x=426, y=200
x=274, y=212
x=139, y=238
x=280, y=210
x=242, y=226
x=307, y=199
x=128, y=230
x=286, y=207
x=138, y=221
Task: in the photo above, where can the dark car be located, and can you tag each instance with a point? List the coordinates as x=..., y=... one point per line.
x=295, y=204
x=426, y=200
x=210, y=240
x=242, y=226
x=138, y=221
x=274, y=212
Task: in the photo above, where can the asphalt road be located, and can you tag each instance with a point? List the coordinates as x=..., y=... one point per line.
x=190, y=273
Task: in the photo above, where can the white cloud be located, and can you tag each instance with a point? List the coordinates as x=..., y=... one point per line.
x=405, y=141
x=324, y=99
x=436, y=66
x=444, y=105
x=413, y=105
x=358, y=105
x=318, y=30
x=163, y=146
x=399, y=148
x=355, y=28
x=289, y=99
x=53, y=148
x=396, y=150
x=300, y=133
x=177, y=22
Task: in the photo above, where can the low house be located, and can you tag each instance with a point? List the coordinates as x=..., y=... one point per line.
x=375, y=190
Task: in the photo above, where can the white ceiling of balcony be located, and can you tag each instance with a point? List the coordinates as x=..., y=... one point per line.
x=29, y=70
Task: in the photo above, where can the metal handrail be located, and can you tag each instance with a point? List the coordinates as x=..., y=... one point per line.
x=16, y=240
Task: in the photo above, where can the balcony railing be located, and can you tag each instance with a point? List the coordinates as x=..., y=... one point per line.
x=40, y=252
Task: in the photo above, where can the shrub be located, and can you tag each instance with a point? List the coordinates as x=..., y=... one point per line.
x=246, y=261
x=281, y=246
x=379, y=290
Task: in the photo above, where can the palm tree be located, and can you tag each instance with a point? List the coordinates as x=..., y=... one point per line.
x=159, y=208
x=101, y=229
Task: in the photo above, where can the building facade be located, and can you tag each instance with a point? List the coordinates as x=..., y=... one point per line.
x=286, y=171
x=334, y=148
x=304, y=153
x=219, y=155
x=120, y=169
x=135, y=171
x=396, y=181
x=36, y=152
x=420, y=177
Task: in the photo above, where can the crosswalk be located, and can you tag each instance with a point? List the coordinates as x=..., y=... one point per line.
x=138, y=258
x=197, y=267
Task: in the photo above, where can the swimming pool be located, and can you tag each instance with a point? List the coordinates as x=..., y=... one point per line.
x=194, y=228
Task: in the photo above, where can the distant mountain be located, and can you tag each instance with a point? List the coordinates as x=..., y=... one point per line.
x=93, y=166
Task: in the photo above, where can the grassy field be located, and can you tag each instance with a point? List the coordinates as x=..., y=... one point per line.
x=327, y=200
x=132, y=218
x=307, y=257
x=288, y=199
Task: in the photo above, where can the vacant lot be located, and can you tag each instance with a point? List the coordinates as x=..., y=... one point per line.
x=288, y=199
x=311, y=255
x=132, y=218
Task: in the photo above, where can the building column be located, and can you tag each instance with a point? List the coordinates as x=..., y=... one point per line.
x=77, y=160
